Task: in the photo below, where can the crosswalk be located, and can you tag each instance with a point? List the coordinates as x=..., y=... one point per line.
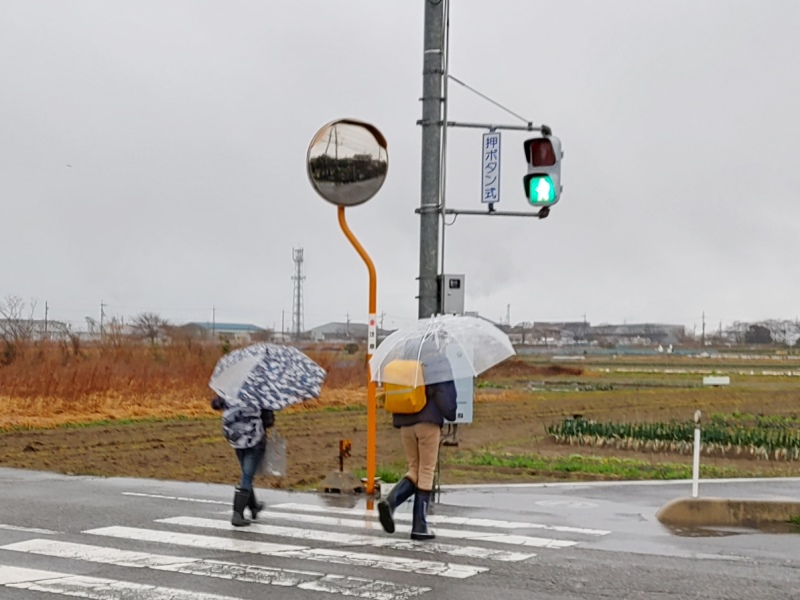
x=341, y=551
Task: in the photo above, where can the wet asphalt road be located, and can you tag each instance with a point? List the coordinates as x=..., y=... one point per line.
x=64, y=535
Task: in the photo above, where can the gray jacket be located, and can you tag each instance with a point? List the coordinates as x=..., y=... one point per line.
x=243, y=425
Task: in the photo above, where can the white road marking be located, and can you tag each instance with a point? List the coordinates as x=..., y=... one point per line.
x=94, y=587
x=355, y=540
x=596, y=484
x=28, y=529
x=459, y=534
x=10, y=575
x=566, y=503
x=181, y=498
x=444, y=519
x=375, y=561
x=305, y=580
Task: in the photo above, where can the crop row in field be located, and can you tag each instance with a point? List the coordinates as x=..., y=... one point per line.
x=775, y=442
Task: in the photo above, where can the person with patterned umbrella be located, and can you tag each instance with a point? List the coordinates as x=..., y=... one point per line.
x=251, y=384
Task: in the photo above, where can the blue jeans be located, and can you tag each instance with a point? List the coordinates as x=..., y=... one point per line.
x=249, y=459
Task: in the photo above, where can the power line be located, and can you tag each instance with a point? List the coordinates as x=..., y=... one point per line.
x=488, y=99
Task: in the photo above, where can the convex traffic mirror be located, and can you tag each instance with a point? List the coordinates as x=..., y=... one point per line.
x=347, y=162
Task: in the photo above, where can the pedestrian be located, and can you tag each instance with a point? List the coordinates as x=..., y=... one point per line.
x=245, y=427
x=420, y=433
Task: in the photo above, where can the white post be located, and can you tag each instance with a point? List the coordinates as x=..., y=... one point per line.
x=696, y=462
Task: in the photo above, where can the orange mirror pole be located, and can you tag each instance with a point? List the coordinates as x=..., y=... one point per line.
x=372, y=404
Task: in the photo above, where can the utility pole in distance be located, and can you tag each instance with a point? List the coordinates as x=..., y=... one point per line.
x=704, y=328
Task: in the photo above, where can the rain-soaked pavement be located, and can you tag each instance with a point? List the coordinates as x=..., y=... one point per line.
x=105, y=539
x=629, y=508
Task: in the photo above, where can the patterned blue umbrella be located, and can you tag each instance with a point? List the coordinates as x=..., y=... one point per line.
x=267, y=376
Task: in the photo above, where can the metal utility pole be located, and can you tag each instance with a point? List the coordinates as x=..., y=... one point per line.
x=430, y=197
x=704, y=328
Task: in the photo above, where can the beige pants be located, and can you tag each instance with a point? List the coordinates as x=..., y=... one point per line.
x=421, y=442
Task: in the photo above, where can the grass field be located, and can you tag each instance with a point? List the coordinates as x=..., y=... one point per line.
x=144, y=411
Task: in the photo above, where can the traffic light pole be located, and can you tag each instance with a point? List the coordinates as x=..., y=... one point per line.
x=434, y=123
x=542, y=213
x=529, y=127
x=430, y=197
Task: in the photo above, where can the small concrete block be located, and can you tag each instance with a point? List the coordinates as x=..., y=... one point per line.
x=722, y=512
x=341, y=482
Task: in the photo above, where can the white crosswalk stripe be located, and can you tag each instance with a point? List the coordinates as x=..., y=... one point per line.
x=28, y=529
x=343, y=557
x=459, y=534
x=443, y=519
x=96, y=588
x=286, y=537
x=304, y=580
x=355, y=539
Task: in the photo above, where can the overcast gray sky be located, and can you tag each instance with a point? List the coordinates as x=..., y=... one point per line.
x=152, y=156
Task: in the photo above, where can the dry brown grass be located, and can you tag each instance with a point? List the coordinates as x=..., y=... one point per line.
x=50, y=370
x=50, y=384
x=344, y=370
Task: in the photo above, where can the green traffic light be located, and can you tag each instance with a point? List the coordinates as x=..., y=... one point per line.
x=541, y=190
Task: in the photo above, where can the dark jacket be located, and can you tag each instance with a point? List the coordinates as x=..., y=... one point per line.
x=440, y=399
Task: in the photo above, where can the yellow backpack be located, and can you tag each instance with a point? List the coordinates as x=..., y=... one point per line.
x=408, y=396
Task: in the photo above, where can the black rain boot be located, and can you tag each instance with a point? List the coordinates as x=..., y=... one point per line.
x=254, y=505
x=419, y=530
x=401, y=492
x=240, y=500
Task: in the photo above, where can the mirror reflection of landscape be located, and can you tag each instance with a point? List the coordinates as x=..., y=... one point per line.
x=348, y=162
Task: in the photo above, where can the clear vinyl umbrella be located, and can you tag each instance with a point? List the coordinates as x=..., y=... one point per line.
x=449, y=347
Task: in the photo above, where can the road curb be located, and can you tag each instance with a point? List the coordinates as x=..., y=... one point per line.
x=699, y=512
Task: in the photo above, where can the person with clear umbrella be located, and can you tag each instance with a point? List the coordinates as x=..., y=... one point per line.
x=421, y=432
x=414, y=366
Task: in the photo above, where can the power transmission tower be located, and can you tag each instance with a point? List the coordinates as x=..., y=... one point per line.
x=297, y=297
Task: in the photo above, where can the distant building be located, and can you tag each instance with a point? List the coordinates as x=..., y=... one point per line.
x=234, y=332
x=343, y=332
x=582, y=332
x=33, y=329
x=568, y=329
x=638, y=334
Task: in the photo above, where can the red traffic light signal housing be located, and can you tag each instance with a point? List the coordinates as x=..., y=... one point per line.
x=539, y=152
x=543, y=182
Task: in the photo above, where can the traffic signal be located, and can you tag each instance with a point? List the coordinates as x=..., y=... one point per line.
x=543, y=181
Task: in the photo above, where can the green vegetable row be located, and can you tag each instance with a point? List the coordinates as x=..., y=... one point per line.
x=781, y=443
